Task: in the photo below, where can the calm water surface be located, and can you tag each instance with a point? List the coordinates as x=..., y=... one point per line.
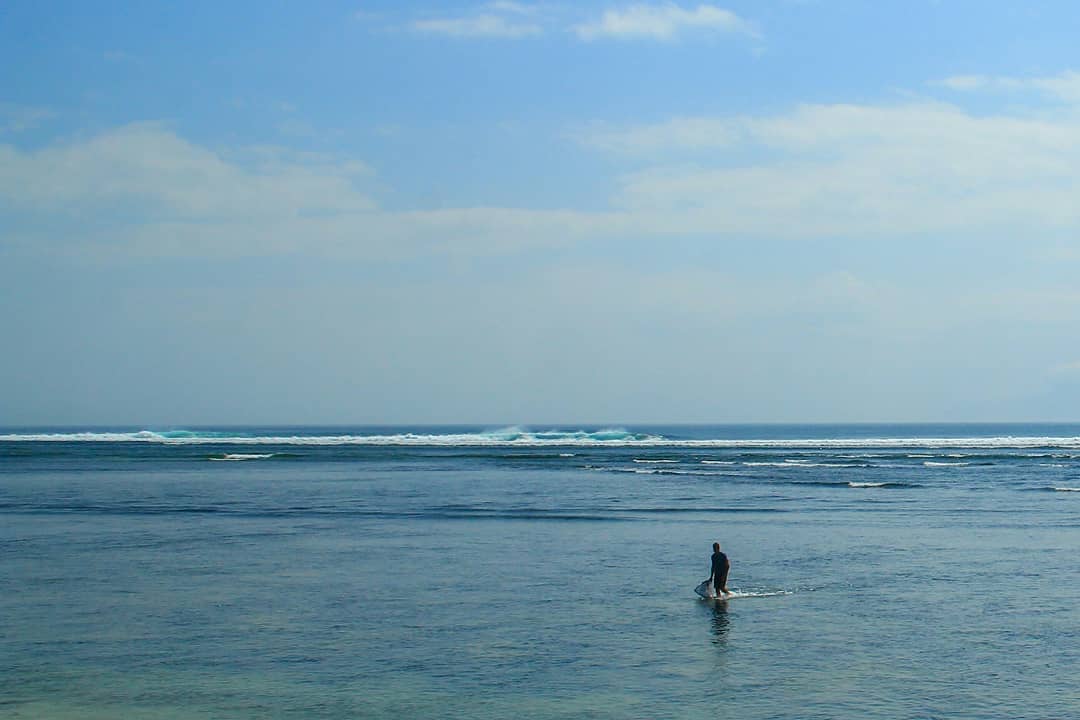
x=889, y=572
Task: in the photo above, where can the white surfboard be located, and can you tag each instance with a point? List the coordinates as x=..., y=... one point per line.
x=706, y=592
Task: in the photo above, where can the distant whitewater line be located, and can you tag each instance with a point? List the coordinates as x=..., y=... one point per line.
x=516, y=437
x=242, y=456
x=510, y=437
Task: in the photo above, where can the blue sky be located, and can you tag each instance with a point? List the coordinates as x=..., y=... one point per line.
x=516, y=212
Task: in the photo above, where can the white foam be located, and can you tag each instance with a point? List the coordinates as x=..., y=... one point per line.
x=508, y=437
x=659, y=471
x=755, y=593
x=1067, y=489
x=514, y=437
x=717, y=462
x=657, y=462
x=866, y=484
x=804, y=464
x=929, y=463
x=244, y=456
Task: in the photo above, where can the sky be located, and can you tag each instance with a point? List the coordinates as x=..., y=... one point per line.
x=539, y=212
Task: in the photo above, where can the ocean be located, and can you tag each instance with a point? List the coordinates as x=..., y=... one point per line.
x=881, y=571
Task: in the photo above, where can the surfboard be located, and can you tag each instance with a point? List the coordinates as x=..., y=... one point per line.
x=706, y=592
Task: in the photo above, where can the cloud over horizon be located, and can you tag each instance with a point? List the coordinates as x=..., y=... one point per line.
x=540, y=211
x=814, y=171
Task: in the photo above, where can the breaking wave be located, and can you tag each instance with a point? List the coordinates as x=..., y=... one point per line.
x=236, y=457
x=512, y=436
x=663, y=471
x=806, y=464
x=516, y=436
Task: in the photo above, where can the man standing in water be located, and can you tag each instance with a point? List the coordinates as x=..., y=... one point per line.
x=720, y=566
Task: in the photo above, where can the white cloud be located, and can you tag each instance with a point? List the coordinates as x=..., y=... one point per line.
x=508, y=19
x=1064, y=87
x=662, y=22
x=142, y=189
x=495, y=20
x=165, y=176
x=853, y=170
x=857, y=171
x=872, y=172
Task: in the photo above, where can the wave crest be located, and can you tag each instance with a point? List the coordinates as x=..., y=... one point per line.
x=517, y=436
x=510, y=436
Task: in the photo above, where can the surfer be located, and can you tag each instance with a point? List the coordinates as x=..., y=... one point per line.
x=720, y=567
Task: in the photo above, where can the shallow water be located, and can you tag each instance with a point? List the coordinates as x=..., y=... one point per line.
x=262, y=573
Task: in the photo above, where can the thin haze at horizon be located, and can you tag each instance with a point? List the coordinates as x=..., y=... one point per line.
x=517, y=212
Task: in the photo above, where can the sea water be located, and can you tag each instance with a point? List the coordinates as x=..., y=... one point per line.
x=883, y=571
